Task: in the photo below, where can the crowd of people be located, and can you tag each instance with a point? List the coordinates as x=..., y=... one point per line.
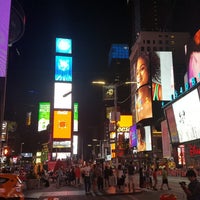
x=99, y=177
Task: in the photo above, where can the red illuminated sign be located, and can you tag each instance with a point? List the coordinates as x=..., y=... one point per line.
x=194, y=150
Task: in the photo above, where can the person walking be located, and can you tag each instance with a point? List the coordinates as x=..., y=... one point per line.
x=165, y=179
x=86, y=171
x=131, y=184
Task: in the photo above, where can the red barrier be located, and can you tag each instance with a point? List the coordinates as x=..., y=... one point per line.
x=168, y=197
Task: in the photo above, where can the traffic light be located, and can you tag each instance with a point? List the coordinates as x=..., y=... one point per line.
x=6, y=151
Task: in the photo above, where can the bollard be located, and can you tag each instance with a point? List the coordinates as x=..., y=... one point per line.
x=168, y=197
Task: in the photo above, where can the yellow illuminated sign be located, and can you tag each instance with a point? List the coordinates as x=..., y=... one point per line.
x=62, y=124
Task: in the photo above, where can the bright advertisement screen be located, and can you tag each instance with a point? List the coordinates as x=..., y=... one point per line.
x=4, y=34
x=143, y=103
x=169, y=114
x=63, y=68
x=124, y=125
x=62, y=144
x=75, y=144
x=144, y=138
x=156, y=69
x=75, y=124
x=63, y=45
x=62, y=125
x=61, y=155
x=166, y=144
x=43, y=116
x=186, y=112
x=194, y=67
x=62, y=95
x=166, y=75
x=133, y=136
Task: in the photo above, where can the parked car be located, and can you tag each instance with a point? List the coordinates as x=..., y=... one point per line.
x=11, y=186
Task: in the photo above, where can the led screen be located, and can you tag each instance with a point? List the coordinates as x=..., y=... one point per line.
x=143, y=103
x=156, y=69
x=62, y=125
x=63, y=45
x=43, y=116
x=61, y=144
x=144, y=138
x=63, y=68
x=169, y=114
x=75, y=124
x=75, y=144
x=194, y=67
x=166, y=145
x=133, y=137
x=62, y=95
x=186, y=112
x=4, y=33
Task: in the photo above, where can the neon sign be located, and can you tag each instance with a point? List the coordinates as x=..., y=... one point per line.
x=194, y=150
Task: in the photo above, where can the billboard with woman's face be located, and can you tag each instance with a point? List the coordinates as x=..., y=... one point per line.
x=155, y=81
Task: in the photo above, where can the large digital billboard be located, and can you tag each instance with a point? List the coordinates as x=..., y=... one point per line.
x=154, y=75
x=62, y=124
x=63, y=45
x=75, y=124
x=62, y=95
x=169, y=114
x=43, y=116
x=156, y=69
x=193, y=59
x=63, y=68
x=5, y=7
x=143, y=103
x=186, y=112
x=144, y=138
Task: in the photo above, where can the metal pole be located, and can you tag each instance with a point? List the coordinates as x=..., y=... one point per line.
x=115, y=112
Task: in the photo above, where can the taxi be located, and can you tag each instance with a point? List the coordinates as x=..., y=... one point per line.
x=11, y=186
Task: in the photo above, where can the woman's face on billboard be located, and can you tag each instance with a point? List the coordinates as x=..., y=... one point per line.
x=142, y=72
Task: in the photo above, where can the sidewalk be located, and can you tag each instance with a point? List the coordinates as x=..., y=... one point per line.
x=52, y=191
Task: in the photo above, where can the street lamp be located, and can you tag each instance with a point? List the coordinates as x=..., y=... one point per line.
x=111, y=94
x=21, y=148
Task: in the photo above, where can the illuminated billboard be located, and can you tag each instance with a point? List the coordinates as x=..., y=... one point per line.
x=75, y=144
x=186, y=113
x=75, y=124
x=133, y=136
x=144, y=138
x=43, y=116
x=62, y=124
x=156, y=69
x=62, y=144
x=143, y=103
x=63, y=68
x=62, y=95
x=193, y=59
x=4, y=34
x=63, y=45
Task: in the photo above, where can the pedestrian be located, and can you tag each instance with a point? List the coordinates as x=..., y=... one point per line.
x=78, y=175
x=106, y=176
x=86, y=170
x=165, y=179
x=120, y=178
x=193, y=189
x=131, y=181
x=155, y=179
x=141, y=178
